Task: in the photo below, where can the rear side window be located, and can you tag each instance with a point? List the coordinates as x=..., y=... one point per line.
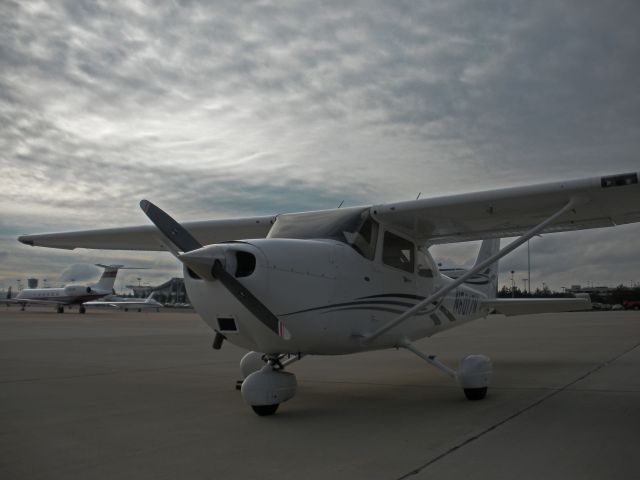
x=398, y=252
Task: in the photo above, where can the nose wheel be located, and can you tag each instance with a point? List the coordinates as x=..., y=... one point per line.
x=266, y=385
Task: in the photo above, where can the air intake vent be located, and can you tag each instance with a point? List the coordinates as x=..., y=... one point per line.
x=246, y=264
x=227, y=324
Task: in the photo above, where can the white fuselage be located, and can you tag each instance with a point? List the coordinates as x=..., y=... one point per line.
x=71, y=294
x=328, y=297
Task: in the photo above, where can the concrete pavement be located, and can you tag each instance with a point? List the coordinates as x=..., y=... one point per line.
x=143, y=395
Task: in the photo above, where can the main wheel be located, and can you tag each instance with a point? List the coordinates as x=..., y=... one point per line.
x=82, y=310
x=475, y=393
x=265, y=410
x=60, y=309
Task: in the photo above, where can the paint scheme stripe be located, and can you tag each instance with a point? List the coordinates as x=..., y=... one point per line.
x=348, y=304
x=380, y=309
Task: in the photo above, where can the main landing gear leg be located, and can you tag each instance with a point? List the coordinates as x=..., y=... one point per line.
x=82, y=309
x=473, y=374
x=60, y=309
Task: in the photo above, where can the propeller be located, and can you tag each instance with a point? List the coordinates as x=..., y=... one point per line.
x=183, y=240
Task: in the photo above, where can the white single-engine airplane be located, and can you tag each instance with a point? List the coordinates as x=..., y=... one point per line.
x=75, y=294
x=353, y=279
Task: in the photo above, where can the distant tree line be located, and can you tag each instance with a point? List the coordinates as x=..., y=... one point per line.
x=616, y=295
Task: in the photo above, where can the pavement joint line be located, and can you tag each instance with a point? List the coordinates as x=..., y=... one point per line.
x=518, y=413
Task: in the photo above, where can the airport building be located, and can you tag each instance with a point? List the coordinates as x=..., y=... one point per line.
x=171, y=292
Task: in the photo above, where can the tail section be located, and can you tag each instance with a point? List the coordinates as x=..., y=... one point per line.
x=108, y=278
x=9, y=293
x=487, y=280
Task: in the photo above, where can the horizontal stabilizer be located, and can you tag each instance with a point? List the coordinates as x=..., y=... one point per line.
x=529, y=306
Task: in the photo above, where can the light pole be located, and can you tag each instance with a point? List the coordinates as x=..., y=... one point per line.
x=513, y=285
x=529, y=266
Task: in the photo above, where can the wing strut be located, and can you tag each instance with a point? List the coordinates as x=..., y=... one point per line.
x=368, y=338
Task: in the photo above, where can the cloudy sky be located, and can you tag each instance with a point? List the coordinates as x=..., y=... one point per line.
x=221, y=109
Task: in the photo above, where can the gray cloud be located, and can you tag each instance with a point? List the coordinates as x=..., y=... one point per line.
x=217, y=109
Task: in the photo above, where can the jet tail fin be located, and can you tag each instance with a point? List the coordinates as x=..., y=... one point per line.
x=108, y=278
x=9, y=293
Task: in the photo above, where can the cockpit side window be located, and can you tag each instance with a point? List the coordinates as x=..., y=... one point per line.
x=398, y=252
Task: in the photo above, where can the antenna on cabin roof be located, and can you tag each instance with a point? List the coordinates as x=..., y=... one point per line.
x=419, y=193
x=341, y=203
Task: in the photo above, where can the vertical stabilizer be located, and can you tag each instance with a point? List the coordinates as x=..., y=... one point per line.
x=108, y=278
x=9, y=293
x=487, y=280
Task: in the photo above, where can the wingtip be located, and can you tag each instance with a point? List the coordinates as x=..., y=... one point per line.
x=25, y=240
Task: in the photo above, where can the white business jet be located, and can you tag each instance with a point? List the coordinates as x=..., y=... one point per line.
x=354, y=279
x=75, y=294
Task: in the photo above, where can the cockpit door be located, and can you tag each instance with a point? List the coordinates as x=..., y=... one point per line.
x=398, y=261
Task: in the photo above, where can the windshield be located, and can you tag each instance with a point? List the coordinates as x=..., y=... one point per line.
x=353, y=226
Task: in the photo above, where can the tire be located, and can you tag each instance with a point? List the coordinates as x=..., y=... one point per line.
x=475, y=393
x=265, y=410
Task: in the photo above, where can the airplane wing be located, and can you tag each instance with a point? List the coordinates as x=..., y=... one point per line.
x=100, y=304
x=123, y=304
x=600, y=202
x=529, y=306
x=148, y=238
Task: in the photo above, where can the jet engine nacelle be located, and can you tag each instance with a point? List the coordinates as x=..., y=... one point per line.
x=474, y=372
x=268, y=387
x=72, y=290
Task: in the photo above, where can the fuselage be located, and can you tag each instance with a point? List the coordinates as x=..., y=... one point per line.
x=69, y=295
x=328, y=295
